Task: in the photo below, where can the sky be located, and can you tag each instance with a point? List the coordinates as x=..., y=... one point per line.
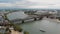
x=30, y=3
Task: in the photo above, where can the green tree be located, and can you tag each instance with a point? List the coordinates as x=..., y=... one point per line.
x=0, y=33
x=25, y=32
x=17, y=28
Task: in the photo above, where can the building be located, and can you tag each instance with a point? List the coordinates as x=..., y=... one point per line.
x=53, y=14
x=17, y=16
x=1, y=19
x=40, y=12
x=58, y=14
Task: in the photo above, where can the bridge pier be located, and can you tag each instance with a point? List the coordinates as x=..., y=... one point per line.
x=35, y=19
x=22, y=21
x=47, y=16
x=40, y=18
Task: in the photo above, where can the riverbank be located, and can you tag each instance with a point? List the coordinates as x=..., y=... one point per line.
x=16, y=32
x=54, y=20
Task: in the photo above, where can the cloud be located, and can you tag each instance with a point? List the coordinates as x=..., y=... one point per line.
x=6, y=4
x=30, y=3
x=8, y=1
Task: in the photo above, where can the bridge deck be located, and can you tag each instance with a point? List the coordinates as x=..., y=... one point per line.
x=27, y=18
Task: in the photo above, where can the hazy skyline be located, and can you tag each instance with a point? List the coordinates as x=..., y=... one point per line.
x=30, y=3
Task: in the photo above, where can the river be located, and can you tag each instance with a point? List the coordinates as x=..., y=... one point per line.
x=48, y=25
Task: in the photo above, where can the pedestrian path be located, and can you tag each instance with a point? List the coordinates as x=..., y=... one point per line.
x=16, y=32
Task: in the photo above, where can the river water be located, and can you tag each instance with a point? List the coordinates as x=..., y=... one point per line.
x=48, y=25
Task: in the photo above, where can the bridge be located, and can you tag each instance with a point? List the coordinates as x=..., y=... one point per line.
x=28, y=18
x=33, y=16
